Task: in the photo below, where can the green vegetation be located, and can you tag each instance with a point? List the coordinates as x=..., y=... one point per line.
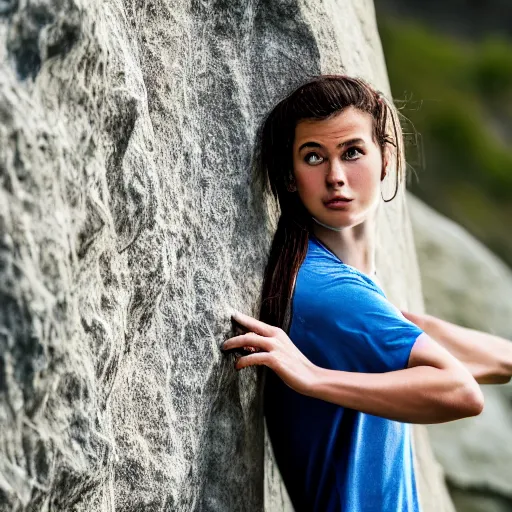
x=458, y=97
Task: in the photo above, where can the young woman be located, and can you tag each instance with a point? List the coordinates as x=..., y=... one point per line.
x=350, y=371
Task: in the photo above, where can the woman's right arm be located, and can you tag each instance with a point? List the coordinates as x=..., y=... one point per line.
x=435, y=387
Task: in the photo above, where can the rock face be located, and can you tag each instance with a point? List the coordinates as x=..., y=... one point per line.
x=463, y=282
x=128, y=229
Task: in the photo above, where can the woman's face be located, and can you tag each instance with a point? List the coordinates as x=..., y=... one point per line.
x=337, y=157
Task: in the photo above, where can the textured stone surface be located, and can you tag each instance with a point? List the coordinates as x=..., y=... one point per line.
x=465, y=283
x=128, y=229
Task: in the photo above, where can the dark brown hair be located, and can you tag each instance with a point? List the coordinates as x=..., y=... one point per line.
x=319, y=98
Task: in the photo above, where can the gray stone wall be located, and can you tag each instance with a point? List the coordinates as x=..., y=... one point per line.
x=128, y=229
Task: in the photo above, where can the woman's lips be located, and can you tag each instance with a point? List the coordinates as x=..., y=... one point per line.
x=338, y=204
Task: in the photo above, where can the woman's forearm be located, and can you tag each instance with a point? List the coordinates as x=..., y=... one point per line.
x=486, y=356
x=421, y=394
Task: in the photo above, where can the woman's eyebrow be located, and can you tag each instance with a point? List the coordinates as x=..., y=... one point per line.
x=341, y=144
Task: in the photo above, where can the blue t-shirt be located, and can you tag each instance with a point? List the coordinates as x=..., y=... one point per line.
x=333, y=458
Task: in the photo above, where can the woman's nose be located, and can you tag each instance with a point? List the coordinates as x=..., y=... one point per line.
x=336, y=173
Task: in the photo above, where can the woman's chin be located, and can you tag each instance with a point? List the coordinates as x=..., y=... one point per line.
x=333, y=223
x=342, y=220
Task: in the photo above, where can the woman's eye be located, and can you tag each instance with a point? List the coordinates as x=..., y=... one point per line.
x=352, y=153
x=313, y=159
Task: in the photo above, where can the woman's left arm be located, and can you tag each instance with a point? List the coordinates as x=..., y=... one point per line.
x=487, y=357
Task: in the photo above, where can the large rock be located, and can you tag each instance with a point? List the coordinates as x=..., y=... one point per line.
x=463, y=282
x=129, y=229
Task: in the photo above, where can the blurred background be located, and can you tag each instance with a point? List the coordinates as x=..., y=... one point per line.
x=450, y=68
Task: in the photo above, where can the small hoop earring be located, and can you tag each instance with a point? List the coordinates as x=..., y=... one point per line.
x=394, y=195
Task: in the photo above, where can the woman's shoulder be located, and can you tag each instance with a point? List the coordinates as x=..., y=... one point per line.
x=320, y=285
x=339, y=293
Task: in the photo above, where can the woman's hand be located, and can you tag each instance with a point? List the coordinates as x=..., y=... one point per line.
x=273, y=348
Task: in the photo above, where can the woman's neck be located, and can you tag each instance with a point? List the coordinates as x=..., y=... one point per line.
x=354, y=246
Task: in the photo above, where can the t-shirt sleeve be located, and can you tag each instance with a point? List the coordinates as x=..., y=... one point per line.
x=357, y=328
